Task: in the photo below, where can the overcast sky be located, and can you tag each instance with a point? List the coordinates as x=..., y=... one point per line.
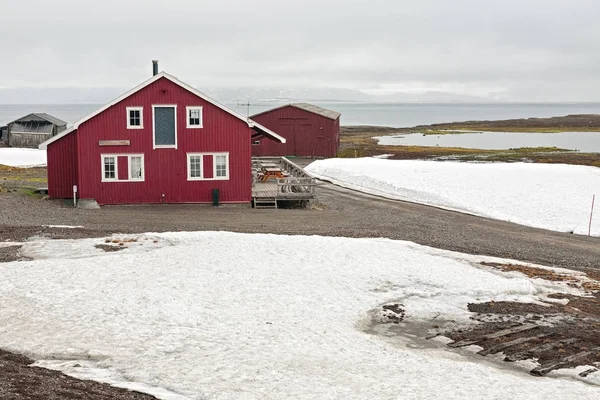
x=508, y=49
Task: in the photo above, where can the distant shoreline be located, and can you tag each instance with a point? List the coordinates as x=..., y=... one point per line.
x=569, y=123
x=357, y=141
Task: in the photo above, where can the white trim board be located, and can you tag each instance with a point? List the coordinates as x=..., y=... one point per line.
x=251, y=123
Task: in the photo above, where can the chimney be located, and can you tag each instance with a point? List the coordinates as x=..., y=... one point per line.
x=154, y=67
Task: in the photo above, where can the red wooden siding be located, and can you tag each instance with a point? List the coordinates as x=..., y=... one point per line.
x=208, y=167
x=165, y=170
x=307, y=134
x=123, y=167
x=62, y=167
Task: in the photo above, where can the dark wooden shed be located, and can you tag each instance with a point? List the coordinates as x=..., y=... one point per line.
x=33, y=129
x=309, y=130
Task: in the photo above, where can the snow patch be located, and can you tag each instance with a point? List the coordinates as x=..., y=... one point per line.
x=225, y=315
x=24, y=158
x=63, y=226
x=88, y=370
x=548, y=196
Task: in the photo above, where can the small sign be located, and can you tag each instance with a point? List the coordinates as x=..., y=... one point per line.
x=114, y=143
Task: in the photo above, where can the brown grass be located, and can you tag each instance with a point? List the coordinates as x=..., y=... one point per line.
x=532, y=272
x=591, y=285
x=359, y=142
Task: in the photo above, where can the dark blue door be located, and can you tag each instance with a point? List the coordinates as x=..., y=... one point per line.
x=164, y=126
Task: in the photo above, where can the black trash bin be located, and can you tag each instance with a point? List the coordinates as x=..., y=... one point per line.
x=215, y=197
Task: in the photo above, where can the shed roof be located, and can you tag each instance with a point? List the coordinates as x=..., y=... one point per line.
x=43, y=116
x=252, y=124
x=32, y=127
x=307, y=107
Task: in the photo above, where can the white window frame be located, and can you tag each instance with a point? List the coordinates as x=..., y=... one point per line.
x=256, y=143
x=129, y=178
x=141, y=125
x=163, y=146
x=220, y=178
x=189, y=167
x=213, y=155
x=187, y=117
x=104, y=178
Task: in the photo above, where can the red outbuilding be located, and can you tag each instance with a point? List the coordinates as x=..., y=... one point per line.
x=161, y=142
x=309, y=130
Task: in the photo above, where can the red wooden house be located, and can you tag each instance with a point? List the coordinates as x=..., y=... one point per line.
x=161, y=142
x=309, y=130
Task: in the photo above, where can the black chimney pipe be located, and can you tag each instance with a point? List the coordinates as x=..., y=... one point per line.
x=154, y=67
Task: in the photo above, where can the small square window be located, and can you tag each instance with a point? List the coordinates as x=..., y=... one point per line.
x=194, y=117
x=256, y=143
x=135, y=118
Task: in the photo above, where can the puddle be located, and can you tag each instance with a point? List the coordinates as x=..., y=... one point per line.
x=430, y=336
x=581, y=141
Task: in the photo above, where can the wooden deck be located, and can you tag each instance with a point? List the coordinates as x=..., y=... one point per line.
x=264, y=189
x=297, y=185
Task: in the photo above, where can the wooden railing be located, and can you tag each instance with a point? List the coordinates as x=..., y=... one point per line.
x=298, y=185
x=292, y=186
x=293, y=169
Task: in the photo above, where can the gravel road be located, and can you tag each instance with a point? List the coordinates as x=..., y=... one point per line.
x=337, y=212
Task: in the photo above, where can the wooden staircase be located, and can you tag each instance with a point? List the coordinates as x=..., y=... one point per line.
x=265, y=202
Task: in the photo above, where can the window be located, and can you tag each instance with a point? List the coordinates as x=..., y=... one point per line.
x=132, y=164
x=256, y=143
x=193, y=117
x=109, y=168
x=199, y=166
x=164, y=128
x=136, y=168
x=221, y=169
x=195, y=163
x=135, y=117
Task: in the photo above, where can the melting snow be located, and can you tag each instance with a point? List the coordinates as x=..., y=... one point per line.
x=237, y=316
x=549, y=196
x=16, y=157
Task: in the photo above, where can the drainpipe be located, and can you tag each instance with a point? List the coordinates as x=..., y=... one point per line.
x=154, y=67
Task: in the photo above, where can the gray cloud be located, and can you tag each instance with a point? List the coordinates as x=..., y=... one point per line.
x=518, y=50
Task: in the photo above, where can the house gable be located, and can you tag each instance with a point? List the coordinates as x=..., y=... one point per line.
x=105, y=143
x=252, y=124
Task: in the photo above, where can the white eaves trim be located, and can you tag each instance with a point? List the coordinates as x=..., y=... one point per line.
x=251, y=124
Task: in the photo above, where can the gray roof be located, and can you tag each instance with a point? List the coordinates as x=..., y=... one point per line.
x=306, y=107
x=42, y=116
x=32, y=127
x=317, y=110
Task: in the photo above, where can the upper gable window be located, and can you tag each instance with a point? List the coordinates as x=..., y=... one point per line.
x=135, y=117
x=193, y=117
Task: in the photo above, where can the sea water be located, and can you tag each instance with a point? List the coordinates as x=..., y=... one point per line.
x=354, y=113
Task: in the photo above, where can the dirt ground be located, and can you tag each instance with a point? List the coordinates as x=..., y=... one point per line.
x=19, y=381
x=555, y=335
x=336, y=212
